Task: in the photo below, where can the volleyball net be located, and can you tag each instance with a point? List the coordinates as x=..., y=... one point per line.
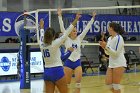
x=127, y=16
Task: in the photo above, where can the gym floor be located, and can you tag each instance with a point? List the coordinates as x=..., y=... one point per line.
x=90, y=84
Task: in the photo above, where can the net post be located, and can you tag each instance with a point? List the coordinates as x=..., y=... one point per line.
x=24, y=54
x=37, y=29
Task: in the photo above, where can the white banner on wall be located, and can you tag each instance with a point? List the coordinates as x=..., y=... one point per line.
x=36, y=62
x=8, y=63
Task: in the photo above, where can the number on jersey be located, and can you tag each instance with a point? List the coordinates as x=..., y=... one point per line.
x=46, y=53
x=74, y=45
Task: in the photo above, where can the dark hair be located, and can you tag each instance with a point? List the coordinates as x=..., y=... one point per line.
x=49, y=35
x=57, y=35
x=8, y=40
x=117, y=28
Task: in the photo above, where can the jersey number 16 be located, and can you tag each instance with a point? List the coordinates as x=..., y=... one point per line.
x=46, y=53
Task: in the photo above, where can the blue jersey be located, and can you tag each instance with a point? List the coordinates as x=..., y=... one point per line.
x=64, y=55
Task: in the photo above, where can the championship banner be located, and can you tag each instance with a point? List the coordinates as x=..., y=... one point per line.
x=10, y=22
x=131, y=24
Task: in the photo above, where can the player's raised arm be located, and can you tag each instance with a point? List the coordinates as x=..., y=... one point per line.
x=59, y=12
x=41, y=32
x=82, y=35
x=68, y=31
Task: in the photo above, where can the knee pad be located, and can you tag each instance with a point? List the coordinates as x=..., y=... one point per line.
x=78, y=85
x=110, y=86
x=116, y=86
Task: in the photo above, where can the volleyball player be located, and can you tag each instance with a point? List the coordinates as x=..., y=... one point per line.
x=64, y=55
x=73, y=62
x=117, y=62
x=53, y=72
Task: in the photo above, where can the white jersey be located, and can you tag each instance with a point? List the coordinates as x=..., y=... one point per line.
x=51, y=53
x=76, y=43
x=115, y=50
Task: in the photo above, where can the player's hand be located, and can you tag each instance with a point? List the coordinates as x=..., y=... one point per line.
x=102, y=35
x=78, y=15
x=102, y=44
x=93, y=14
x=59, y=12
x=71, y=49
x=41, y=23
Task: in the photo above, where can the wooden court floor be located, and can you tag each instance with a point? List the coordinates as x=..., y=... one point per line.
x=90, y=84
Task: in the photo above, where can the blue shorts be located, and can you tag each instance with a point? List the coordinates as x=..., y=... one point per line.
x=71, y=64
x=53, y=74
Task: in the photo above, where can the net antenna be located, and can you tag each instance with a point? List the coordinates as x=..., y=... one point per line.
x=36, y=12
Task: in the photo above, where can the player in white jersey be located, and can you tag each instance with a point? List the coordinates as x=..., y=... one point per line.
x=53, y=72
x=73, y=62
x=117, y=62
